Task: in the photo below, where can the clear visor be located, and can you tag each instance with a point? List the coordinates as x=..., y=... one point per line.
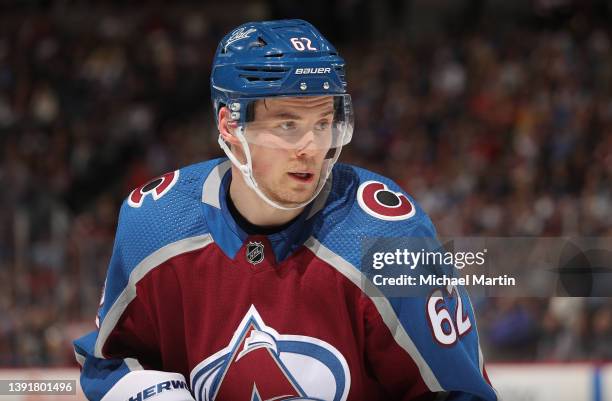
x=315, y=122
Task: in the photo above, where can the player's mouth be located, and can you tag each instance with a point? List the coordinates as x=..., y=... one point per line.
x=302, y=176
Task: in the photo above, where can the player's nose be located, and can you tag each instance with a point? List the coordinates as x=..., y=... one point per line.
x=307, y=144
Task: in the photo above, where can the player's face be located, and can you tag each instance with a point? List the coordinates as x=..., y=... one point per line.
x=289, y=139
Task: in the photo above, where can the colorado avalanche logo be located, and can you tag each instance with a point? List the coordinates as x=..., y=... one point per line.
x=377, y=200
x=260, y=364
x=157, y=188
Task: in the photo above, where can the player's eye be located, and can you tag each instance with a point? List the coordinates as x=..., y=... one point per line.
x=288, y=126
x=322, y=125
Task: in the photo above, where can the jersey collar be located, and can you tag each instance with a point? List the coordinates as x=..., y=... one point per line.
x=231, y=237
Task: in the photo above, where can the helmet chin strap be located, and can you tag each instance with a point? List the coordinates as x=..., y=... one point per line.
x=247, y=171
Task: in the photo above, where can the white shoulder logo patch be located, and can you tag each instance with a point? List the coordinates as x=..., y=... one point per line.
x=157, y=187
x=377, y=200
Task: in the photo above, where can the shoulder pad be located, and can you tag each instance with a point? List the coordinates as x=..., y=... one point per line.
x=363, y=205
x=164, y=210
x=159, y=219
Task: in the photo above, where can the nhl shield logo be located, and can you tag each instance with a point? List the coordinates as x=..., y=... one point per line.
x=255, y=252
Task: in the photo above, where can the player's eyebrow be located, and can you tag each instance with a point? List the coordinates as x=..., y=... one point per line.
x=287, y=115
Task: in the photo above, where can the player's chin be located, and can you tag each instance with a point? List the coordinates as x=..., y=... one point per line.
x=303, y=188
x=296, y=196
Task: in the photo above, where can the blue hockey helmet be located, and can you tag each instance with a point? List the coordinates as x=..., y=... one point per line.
x=275, y=58
x=285, y=58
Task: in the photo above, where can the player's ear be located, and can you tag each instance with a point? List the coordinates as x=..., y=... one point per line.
x=227, y=127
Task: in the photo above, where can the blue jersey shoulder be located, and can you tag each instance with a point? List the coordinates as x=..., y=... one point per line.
x=163, y=211
x=365, y=205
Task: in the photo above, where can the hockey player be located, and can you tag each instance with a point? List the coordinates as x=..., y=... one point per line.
x=238, y=278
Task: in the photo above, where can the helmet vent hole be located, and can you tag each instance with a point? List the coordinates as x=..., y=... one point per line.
x=263, y=69
x=254, y=78
x=260, y=42
x=340, y=71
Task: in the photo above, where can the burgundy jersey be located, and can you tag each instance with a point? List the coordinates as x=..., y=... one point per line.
x=195, y=308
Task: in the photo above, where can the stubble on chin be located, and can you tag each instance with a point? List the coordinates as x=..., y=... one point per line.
x=290, y=194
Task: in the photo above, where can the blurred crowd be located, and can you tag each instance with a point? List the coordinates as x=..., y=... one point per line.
x=495, y=132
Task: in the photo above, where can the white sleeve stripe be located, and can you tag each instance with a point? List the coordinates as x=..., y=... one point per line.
x=480, y=360
x=210, y=189
x=133, y=364
x=79, y=358
x=382, y=305
x=145, y=266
